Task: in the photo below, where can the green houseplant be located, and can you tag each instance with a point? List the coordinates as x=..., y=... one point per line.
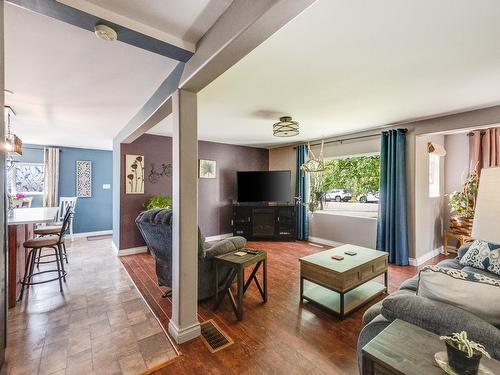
x=158, y=201
x=464, y=355
x=463, y=205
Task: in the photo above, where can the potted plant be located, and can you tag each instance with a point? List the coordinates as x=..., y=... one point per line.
x=158, y=201
x=464, y=355
x=463, y=205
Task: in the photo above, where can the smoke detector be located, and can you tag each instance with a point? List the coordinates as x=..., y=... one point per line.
x=105, y=33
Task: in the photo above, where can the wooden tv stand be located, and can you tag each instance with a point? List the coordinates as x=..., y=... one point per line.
x=264, y=221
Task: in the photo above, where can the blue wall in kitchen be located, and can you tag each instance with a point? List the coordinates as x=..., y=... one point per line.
x=94, y=213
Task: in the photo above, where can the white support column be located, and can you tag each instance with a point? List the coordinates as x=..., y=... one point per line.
x=184, y=324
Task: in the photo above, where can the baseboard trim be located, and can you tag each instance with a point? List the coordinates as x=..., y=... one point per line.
x=88, y=234
x=424, y=258
x=324, y=241
x=218, y=237
x=185, y=334
x=115, y=248
x=131, y=251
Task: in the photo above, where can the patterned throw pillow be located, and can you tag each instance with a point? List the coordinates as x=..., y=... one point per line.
x=469, y=291
x=483, y=255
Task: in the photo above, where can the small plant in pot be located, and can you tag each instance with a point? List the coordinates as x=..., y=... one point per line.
x=158, y=201
x=464, y=355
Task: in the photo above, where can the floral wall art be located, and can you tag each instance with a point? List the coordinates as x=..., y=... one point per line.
x=207, y=168
x=134, y=174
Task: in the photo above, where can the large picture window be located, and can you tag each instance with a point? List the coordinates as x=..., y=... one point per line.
x=350, y=185
x=26, y=178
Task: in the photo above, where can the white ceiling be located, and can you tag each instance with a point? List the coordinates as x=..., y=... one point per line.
x=70, y=88
x=181, y=23
x=343, y=66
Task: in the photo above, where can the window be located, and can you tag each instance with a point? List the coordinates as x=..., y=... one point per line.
x=350, y=186
x=434, y=180
x=26, y=178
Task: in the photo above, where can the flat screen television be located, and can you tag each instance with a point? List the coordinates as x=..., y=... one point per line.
x=258, y=186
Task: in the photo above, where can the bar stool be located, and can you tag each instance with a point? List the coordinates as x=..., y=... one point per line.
x=35, y=247
x=51, y=231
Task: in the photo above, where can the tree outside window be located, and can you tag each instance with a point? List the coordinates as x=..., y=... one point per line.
x=358, y=177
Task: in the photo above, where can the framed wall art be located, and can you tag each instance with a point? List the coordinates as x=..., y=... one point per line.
x=134, y=174
x=83, y=178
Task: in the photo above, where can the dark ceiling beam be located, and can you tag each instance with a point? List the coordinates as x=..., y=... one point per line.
x=78, y=18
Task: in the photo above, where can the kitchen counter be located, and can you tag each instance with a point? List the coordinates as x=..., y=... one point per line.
x=32, y=215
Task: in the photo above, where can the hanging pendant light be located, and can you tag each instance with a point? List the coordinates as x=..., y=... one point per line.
x=286, y=127
x=13, y=143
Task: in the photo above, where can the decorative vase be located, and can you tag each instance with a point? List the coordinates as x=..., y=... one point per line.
x=459, y=361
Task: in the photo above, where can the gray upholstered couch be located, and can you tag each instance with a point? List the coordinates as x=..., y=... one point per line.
x=156, y=228
x=434, y=316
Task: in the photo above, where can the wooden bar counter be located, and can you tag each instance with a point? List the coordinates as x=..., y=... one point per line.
x=21, y=223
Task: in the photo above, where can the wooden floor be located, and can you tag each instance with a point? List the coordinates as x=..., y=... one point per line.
x=279, y=337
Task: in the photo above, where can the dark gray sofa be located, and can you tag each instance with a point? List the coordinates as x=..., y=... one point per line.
x=156, y=227
x=434, y=316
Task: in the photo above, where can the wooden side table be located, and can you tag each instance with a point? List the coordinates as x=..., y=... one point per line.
x=237, y=265
x=461, y=237
x=403, y=348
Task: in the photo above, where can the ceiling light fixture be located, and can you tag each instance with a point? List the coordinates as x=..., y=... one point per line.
x=105, y=32
x=286, y=127
x=13, y=143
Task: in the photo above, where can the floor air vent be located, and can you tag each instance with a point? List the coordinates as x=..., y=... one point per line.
x=213, y=337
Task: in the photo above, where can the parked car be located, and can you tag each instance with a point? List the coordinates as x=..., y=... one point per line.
x=338, y=195
x=370, y=197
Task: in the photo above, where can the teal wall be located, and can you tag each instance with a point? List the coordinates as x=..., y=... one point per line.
x=94, y=213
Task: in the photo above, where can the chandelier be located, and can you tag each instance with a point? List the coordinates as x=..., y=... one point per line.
x=286, y=127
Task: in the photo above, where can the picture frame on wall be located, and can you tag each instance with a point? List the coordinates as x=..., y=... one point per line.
x=83, y=178
x=207, y=169
x=134, y=174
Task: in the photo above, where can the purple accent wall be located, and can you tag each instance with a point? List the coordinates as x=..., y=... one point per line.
x=214, y=195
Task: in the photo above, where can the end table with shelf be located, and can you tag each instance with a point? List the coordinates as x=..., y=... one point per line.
x=237, y=265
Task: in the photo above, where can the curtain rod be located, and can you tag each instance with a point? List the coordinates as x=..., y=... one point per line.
x=37, y=148
x=350, y=138
x=470, y=134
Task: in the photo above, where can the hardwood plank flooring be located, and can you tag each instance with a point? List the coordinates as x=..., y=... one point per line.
x=279, y=337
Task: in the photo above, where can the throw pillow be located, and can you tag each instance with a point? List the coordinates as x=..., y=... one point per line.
x=483, y=255
x=469, y=291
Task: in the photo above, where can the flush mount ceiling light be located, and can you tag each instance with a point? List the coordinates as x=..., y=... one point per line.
x=105, y=33
x=286, y=127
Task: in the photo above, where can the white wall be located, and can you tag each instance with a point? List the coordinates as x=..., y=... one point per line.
x=332, y=229
x=349, y=148
x=456, y=169
x=428, y=211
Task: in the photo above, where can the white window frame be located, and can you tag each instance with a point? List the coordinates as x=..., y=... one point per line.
x=13, y=178
x=434, y=176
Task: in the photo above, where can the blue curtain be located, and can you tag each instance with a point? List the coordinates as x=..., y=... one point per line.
x=392, y=225
x=302, y=193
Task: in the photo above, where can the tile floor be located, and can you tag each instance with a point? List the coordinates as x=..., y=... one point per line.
x=99, y=325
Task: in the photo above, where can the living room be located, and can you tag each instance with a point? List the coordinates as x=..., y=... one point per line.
x=229, y=256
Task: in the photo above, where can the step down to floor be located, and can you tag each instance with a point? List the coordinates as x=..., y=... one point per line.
x=214, y=338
